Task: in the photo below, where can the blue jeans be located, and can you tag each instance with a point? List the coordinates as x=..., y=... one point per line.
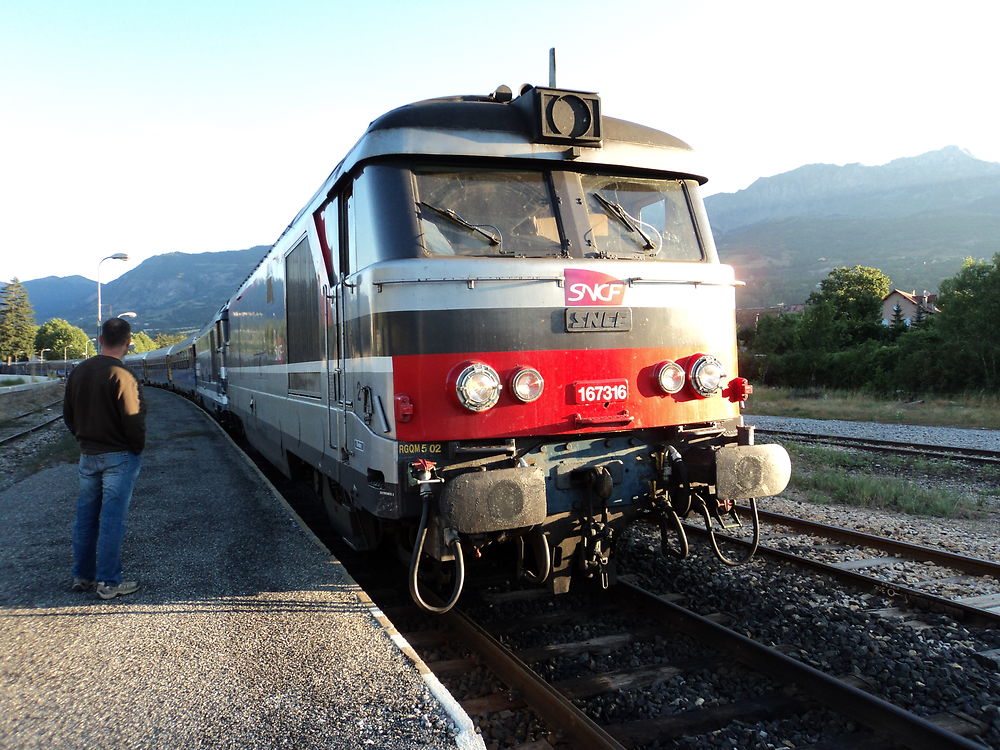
x=106, y=482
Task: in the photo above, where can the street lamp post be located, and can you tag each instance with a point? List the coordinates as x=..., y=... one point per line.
x=116, y=256
x=40, y=353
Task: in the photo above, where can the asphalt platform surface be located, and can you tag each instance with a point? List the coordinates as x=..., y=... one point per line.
x=245, y=634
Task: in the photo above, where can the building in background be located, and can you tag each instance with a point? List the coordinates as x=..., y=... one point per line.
x=913, y=307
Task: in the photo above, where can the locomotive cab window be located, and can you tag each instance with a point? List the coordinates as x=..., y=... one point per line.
x=638, y=217
x=480, y=213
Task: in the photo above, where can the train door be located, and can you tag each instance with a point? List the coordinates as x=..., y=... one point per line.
x=337, y=405
x=328, y=226
x=222, y=346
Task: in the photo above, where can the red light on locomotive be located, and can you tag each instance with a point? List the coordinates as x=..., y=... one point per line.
x=739, y=390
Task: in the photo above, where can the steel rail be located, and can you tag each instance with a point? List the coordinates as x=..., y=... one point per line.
x=932, y=602
x=551, y=705
x=974, y=565
x=981, y=455
x=22, y=433
x=882, y=717
x=40, y=408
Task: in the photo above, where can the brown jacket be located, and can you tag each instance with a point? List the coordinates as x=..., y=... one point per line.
x=103, y=407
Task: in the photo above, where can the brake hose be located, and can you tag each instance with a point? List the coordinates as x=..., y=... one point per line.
x=714, y=542
x=418, y=548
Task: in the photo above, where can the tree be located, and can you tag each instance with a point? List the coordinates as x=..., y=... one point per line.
x=17, y=322
x=142, y=342
x=775, y=334
x=63, y=340
x=852, y=298
x=166, y=339
x=855, y=294
x=969, y=305
x=897, y=316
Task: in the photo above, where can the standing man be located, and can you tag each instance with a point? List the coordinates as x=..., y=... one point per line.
x=104, y=410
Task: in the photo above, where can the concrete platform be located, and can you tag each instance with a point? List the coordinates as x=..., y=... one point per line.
x=246, y=633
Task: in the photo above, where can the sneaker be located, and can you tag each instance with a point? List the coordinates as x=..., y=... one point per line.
x=123, y=588
x=83, y=584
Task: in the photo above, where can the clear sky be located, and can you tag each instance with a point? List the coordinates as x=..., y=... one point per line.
x=151, y=126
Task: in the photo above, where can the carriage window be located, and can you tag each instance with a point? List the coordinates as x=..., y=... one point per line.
x=635, y=217
x=497, y=213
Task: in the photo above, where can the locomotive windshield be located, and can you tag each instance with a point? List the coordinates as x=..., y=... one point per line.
x=629, y=216
x=492, y=213
x=466, y=212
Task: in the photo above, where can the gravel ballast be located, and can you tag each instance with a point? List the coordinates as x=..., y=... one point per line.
x=926, y=663
x=245, y=634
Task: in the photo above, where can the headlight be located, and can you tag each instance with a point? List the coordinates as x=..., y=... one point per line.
x=670, y=376
x=707, y=375
x=478, y=387
x=527, y=384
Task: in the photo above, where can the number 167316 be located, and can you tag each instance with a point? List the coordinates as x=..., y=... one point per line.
x=600, y=391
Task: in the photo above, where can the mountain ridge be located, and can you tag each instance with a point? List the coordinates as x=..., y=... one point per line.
x=171, y=292
x=916, y=218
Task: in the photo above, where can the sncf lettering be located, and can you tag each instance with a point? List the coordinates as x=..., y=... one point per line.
x=593, y=288
x=609, y=294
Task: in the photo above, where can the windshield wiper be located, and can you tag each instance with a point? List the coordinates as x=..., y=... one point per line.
x=456, y=219
x=614, y=209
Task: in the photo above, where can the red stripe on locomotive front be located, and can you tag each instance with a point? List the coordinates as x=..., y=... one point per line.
x=437, y=415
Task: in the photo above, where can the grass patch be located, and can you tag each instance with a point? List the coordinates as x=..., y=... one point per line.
x=970, y=410
x=65, y=450
x=844, y=458
x=831, y=486
x=11, y=381
x=830, y=475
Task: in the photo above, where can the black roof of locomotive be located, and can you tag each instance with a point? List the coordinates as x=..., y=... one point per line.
x=486, y=113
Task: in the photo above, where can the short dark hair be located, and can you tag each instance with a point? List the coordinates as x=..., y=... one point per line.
x=115, y=332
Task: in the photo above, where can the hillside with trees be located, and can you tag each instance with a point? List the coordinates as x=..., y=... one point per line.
x=839, y=341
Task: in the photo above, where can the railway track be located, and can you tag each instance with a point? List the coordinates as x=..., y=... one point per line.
x=976, y=455
x=979, y=609
x=36, y=419
x=552, y=682
x=630, y=668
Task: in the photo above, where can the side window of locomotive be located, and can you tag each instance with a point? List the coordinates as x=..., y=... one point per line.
x=327, y=221
x=639, y=218
x=479, y=213
x=304, y=311
x=362, y=224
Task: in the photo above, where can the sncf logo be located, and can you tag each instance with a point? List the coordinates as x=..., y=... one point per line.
x=593, y=288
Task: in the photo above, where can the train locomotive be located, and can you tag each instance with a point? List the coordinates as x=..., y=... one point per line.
x=501, y=320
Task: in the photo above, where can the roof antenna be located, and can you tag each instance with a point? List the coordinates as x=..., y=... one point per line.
x=552, y=67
